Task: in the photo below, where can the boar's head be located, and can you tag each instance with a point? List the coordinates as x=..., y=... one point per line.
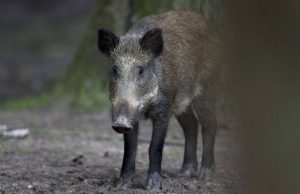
x=133, y=82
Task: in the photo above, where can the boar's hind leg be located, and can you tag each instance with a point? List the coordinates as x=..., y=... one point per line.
x=189, y=124
x=128, y=166
x=205, y=109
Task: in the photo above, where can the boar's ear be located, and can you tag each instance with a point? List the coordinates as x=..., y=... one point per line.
x=153, y=41
x=107, y=41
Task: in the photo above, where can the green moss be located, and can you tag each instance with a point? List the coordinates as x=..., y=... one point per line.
x=29, y=102
x=89, y=101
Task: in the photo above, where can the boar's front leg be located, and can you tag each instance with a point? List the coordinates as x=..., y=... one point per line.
x=160, y=124
x=128, y=166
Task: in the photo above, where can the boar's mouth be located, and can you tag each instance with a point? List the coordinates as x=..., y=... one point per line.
x=121, y=129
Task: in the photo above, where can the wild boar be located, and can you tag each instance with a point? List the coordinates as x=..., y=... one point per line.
x=165, y=65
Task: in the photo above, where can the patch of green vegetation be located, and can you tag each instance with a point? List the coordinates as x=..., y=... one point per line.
x=30, y=102
x=88, y=98
x=24, y=103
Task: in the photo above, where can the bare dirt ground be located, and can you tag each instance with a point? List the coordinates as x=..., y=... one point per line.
x=67, y=153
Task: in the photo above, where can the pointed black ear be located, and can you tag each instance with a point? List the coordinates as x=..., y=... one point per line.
x=153, y=41
x=107, y=41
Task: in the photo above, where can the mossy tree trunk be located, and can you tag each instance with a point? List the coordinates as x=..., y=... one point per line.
x=86, y=76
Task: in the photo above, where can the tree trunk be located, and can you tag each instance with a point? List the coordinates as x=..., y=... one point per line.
x=87, y=68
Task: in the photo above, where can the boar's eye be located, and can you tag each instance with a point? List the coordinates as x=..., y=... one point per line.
x=114, y=70
x=140, y=72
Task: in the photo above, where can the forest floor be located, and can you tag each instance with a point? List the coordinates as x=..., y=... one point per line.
x=67, y=153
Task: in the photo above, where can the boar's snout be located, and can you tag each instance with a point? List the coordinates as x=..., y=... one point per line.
x=124, y=116
x=122, y=124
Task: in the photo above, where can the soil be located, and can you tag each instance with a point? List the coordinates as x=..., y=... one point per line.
x=67, y=153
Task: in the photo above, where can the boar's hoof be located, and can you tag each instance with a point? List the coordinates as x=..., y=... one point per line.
x=154, y=181
x=123, y=182
x=188, y=171
x=206, y=174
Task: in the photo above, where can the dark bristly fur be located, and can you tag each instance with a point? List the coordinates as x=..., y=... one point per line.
x=166, y=65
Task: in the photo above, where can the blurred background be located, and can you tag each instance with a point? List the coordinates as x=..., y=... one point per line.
x=50, y=47
x=49, y=60
x=38, y=40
